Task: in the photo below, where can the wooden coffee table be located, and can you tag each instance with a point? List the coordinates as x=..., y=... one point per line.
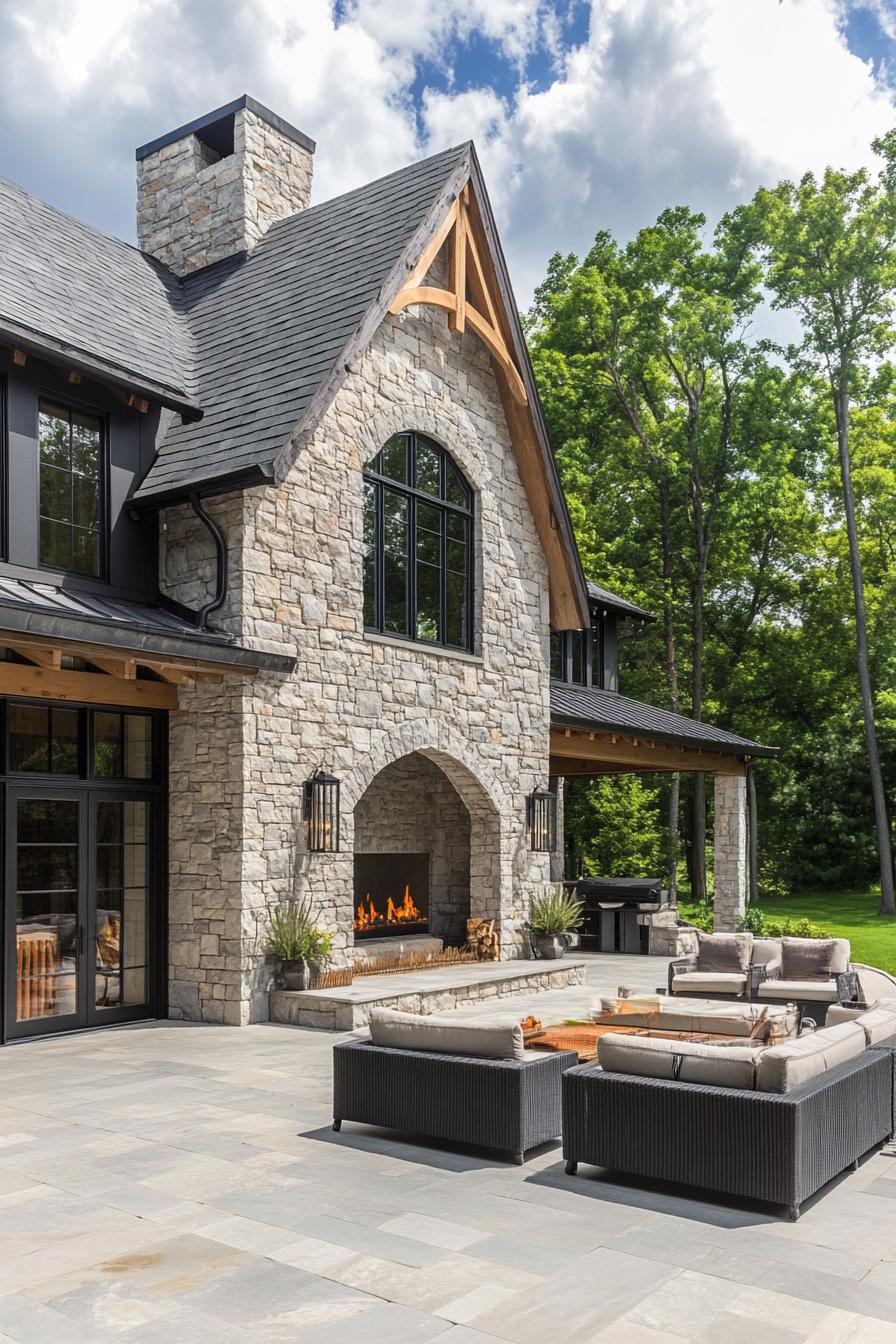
x=584, y=1036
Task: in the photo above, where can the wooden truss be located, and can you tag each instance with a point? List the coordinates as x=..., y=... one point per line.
x=471, y=297
x=56, y=671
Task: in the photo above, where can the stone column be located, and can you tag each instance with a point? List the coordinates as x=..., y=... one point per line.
x=730, y=841
x=558, y=854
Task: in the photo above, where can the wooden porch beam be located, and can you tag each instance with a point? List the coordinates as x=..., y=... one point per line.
x=610, y=752
x=94, y=688
x=51, y=658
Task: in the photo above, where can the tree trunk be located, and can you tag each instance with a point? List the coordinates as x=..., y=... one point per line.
x=752, y=839
x=673, y=836
x=884, y=848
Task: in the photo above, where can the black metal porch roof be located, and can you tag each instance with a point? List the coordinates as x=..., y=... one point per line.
x=606, y=711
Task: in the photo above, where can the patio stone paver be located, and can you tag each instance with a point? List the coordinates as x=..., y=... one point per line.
x=183, y=1182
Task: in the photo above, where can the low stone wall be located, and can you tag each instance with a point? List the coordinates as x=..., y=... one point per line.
x=336, y=1010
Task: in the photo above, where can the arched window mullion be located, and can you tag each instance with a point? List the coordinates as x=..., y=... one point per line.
x=447, y=593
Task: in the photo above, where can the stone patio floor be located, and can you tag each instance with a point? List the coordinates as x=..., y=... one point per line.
x=182, y=1183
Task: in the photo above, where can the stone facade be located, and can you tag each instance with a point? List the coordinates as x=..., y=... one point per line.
x=730, y=850
x=194, y=208
x=356, y=703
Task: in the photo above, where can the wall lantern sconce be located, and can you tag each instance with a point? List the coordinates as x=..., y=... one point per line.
x=321, y=813
x=541, y=820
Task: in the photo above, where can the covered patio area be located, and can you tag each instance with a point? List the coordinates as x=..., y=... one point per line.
x=599, y=732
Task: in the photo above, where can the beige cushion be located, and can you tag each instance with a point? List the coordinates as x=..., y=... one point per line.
x=651, y=1057
x=838, y=1012
x=495, y=1038
x=825, y=991
x=784, y=1067
x=710, y=982
x=878, y=1024
x=724, y=951
x=840, y=957
x=765, y=950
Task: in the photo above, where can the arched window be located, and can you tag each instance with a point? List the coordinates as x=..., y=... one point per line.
x=418, y=537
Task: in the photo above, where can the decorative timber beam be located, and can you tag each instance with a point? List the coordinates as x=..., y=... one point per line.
x=586, y=752
x=465, y=272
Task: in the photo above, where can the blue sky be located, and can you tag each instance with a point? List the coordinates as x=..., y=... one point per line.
x=589, y=114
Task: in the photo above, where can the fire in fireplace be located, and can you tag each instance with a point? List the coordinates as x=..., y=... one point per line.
x=391, y=894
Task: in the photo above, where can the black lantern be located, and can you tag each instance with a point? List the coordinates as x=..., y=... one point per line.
x=322, y=813
x=541, y=819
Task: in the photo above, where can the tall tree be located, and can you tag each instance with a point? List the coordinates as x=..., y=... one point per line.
x=830, y=248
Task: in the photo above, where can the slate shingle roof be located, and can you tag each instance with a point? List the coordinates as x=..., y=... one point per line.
x=269, y=328
x=76, y=287
x=593, y=708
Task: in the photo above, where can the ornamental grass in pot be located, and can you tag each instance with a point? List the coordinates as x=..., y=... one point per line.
x=299, y=946
x=551, y=918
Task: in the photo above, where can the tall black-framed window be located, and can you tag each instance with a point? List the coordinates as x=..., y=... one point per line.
x=418, y=544
x=71, y=499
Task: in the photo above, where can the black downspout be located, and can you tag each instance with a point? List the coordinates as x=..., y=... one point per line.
x=221, y=557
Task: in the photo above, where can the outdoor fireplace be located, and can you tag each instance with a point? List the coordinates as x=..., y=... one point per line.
x=391, y=895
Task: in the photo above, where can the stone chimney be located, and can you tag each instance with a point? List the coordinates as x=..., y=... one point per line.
x=211, y=189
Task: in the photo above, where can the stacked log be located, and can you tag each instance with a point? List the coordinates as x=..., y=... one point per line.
x=482, y=937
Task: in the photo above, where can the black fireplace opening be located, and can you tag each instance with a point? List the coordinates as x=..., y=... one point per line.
x=391, y=895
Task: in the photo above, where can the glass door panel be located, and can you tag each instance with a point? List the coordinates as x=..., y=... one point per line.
x=46, y=865
x=121, y=898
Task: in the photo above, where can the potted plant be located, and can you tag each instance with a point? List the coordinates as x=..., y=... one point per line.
x=300, y=947
x=551, y=917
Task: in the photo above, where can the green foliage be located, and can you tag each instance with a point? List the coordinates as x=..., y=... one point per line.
x=292, y=935
x=613, y=826
x=555, y=912
x=699, y=914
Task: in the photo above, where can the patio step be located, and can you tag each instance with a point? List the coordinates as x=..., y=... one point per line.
x=435, y=991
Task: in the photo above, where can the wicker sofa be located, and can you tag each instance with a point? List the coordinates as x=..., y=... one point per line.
x=451, y=1079
x=760, y=976
x=773, y=1124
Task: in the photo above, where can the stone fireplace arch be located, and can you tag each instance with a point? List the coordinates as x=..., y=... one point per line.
x=426, y=825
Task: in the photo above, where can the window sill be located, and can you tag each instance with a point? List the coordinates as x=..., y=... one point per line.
x=431, y=650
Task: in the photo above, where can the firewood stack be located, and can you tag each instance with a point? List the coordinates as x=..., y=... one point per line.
x=482, y=937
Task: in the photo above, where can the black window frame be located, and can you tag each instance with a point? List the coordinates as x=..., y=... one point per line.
x=415, y=497
x=86, y=773
x=563, y=642
x=72, y=404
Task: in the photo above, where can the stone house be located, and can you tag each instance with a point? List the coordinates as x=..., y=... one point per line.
x=290, y=604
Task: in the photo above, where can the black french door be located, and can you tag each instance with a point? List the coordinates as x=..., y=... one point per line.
x=82, y=921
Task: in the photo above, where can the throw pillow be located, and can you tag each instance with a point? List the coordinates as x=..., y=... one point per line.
x=724, y=952
x=806, y=958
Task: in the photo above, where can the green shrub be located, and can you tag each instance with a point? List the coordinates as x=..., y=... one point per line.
x=555, y=912
x=292, y=935
x=700, y=915
x=758, y=923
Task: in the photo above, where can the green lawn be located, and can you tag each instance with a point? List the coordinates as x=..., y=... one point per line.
x=847, y=914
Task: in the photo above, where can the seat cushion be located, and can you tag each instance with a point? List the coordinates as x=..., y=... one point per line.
x=710, y=982
x=784, y=1067
x=806, y=958
x=824, y=991
x=692, y=1061
x=494, y=1038
x=765, y=950
x=724, y=952
x=878, y=1024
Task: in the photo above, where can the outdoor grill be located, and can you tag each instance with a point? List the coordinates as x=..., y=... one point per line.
x=618, y=911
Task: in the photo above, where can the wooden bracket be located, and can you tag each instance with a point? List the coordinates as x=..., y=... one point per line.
x=465, y=270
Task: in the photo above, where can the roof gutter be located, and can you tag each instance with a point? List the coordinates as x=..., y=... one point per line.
x=59, y=352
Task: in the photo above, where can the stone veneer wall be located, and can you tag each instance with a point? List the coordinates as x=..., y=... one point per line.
x=192, y=211
x=412, y=808
x=356, y=703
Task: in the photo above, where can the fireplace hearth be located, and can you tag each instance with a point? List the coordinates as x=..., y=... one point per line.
x=391, y=895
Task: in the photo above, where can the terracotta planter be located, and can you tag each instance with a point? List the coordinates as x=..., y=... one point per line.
x=298, y=975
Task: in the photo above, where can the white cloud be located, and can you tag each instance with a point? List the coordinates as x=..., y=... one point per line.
x=666, y=101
